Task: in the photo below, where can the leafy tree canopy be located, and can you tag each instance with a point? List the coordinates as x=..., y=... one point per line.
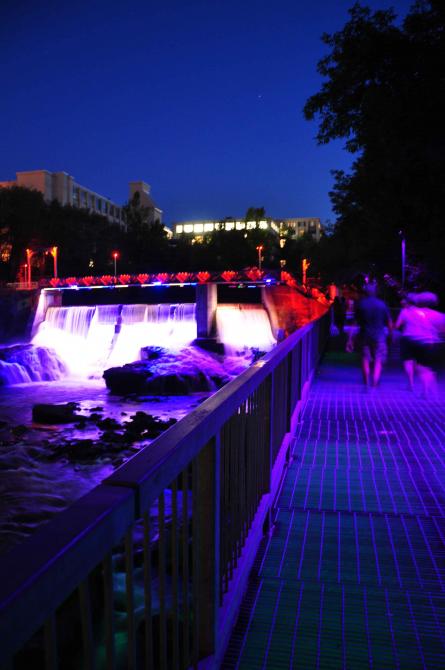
x=383, y=88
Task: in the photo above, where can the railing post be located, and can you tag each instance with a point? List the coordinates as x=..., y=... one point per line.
x=206, y=554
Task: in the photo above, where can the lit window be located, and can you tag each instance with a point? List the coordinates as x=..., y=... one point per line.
x=198, y=228
x=217, y=226
x=263, y=225
x=208, y=227
x=179, y=228
x=188, y=228
x=240, y=225
x=251, y=225
x=274, y=226
x=5, y=252
x=230, y=225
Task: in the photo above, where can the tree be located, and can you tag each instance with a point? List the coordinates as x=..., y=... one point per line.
x=382, y=94
x=255, y=214
x=21, y=212
x=27, y=221
x=146, y=240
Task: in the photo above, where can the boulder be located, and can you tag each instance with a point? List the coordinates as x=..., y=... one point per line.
x=49, y=414
x=168, y=373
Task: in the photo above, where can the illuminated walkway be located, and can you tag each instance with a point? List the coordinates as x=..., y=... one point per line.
x=353, y=574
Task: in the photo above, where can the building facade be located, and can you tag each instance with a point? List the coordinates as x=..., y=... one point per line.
x=145, y=200
x=196, y=230
x=66, y=190
x=303, y=225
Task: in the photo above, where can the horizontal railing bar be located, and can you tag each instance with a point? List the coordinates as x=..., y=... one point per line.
x=154, y=468
x=41, y=572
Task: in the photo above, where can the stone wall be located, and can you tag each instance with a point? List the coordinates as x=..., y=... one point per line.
x=17, y=309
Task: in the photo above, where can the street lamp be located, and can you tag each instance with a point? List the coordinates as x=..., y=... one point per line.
x=304, y=268
x=259, y=248
x=115, y=257
x=53, y=251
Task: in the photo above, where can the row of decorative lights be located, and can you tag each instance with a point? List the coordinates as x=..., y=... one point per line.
x=228, y=276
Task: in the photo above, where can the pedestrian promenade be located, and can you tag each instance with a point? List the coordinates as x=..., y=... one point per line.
x=352, y=574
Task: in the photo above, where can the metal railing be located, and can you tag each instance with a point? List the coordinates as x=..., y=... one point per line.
x=23, y=285
x=149, y=568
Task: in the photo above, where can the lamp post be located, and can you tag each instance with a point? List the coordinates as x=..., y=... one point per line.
x=259, y=248
x=304, y=267
x=115, y=257
x=29, y=254
x=53, y=251
x=403, y=255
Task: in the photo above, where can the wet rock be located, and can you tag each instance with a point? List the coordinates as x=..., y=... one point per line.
x=45, y=413
x=168, y=373
x=108, y=424
x=145, y=426
x=19, y=431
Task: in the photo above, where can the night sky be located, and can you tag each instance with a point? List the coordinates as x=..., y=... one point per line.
x=202, y=99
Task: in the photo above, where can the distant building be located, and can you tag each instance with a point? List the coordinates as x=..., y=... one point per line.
x=145, y=200
x=197, y=229
x=63, y=187
x=302, y=225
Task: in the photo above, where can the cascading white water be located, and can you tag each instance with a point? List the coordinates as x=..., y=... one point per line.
x=242, y=327
x=82, y=342
x=169, y=326
x=90, y=339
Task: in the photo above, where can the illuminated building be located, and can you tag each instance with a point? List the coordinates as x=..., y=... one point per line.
x=302, y=225
x=196, y=230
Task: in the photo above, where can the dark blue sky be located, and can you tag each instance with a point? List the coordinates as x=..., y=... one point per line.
x=200, y=98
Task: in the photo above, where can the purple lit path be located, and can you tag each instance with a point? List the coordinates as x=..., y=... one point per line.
x=353, y=574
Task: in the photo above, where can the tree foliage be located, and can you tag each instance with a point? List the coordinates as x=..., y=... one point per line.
x=382, y=94
x=85, y=240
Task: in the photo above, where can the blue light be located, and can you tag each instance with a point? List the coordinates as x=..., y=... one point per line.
x=157, y=283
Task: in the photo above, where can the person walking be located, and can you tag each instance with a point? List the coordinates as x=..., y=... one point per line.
x=423, y=329
x=374, y=325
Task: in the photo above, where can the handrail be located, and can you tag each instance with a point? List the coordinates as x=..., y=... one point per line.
x=149, y=470
x=227, y=455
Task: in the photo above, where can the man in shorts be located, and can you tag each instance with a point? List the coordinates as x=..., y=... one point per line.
x=374, y=322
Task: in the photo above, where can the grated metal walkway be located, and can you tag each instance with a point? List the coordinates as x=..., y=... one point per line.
x=353, y=574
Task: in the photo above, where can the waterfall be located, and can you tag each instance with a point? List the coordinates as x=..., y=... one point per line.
x=243, y=327
x=24, y=363
x=90, y=339
x=81, y=342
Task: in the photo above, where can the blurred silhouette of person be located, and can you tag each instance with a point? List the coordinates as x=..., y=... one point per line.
x=339, y=311
x=406, y=322
x=423, y=329
x=374, y=322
